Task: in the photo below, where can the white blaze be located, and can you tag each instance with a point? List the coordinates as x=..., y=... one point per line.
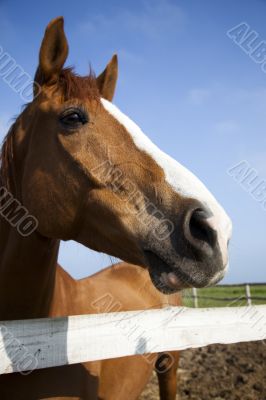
x=179, y=178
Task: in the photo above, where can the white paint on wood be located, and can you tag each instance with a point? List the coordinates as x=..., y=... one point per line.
x=69, y=340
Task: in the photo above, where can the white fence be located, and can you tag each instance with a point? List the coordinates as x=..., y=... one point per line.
x=61, y=341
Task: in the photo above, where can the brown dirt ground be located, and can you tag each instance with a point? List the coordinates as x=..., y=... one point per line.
x=217, y=372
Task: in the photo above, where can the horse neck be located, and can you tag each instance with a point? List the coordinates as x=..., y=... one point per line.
x=65, y=296
x=27, y=273
x=27, y=264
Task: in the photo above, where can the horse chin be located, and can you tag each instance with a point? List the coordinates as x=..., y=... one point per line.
x=166, y=279
x=161, y=284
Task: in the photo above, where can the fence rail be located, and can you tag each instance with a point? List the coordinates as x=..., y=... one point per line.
x=69, y=340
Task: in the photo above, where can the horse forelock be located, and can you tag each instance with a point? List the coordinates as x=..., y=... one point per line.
x=70, y=84
x=73, y=85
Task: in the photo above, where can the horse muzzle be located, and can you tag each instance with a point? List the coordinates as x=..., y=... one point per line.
x=191, y=256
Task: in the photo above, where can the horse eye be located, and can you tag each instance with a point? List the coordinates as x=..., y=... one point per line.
x=73, y=118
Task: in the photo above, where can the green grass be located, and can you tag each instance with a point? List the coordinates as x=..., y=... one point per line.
x=224, y=292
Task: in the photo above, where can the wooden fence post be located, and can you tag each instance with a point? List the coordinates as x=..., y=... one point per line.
x=195, y=297
x=248, y=295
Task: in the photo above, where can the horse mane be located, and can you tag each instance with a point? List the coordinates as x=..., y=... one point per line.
x=72, y=86
x=6, y=156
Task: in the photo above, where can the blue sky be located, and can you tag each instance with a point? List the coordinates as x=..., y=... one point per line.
x=192, y=90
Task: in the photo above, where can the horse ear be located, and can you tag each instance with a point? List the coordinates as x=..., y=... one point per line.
x=53, y=53
x=106, y=81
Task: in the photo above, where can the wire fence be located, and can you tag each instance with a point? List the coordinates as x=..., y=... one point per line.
x=226, y=295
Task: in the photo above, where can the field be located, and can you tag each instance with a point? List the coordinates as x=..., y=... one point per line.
x=214, y=295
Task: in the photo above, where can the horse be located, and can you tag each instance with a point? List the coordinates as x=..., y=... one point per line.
x=64, y=177
x=120, y=287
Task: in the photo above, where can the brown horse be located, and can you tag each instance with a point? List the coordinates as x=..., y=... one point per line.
x=122, y=287
x=62, y=165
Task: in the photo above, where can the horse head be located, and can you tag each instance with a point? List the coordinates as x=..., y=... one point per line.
x=88, y=173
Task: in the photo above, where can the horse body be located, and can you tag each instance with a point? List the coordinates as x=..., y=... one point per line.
x=122, y=287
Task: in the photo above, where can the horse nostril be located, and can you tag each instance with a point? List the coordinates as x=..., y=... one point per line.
x=200, y=228
x=199, y=232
